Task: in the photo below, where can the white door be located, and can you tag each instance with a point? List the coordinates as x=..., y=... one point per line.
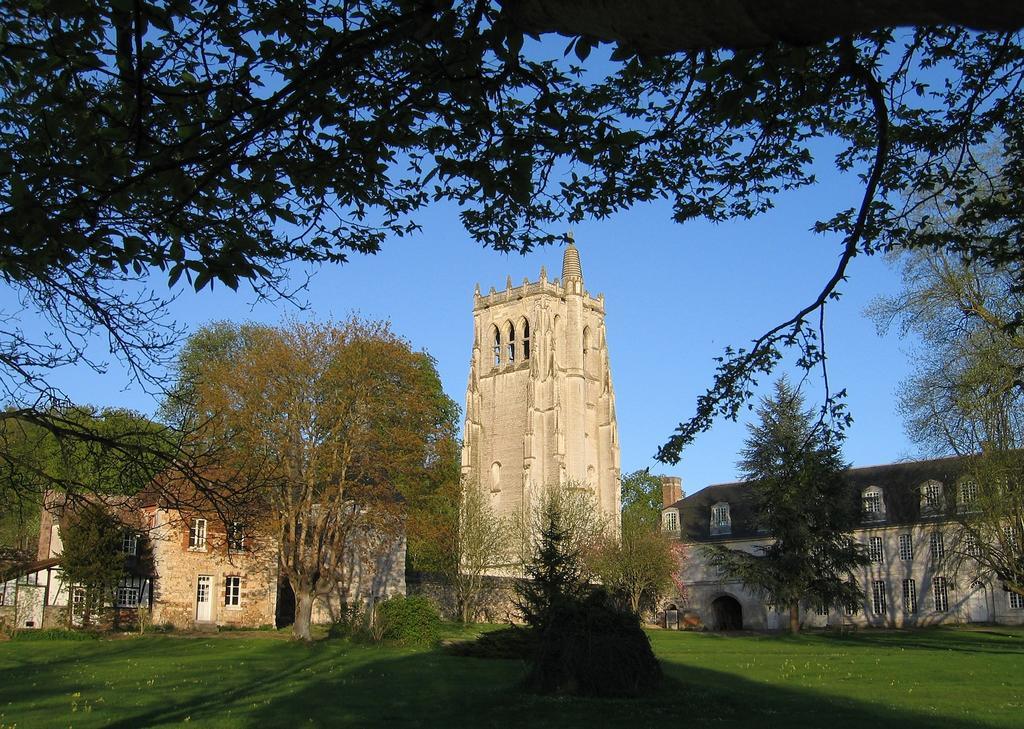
x=77, y=605
x=203, y=598
x=977, y=604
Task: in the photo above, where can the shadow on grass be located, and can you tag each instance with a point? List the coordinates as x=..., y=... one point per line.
x=274, y=684
x=988, y=640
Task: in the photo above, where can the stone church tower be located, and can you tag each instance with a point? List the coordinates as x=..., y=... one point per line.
x=540, y=408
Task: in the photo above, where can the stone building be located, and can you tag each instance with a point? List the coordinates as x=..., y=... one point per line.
x=919, y=575
x=192, y=568
x=540, y=408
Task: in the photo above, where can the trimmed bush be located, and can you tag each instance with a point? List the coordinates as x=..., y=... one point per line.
x=510, y=642
x=410, y=620
x=590, y=647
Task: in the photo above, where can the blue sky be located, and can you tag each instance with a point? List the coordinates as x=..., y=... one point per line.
x=676, y=295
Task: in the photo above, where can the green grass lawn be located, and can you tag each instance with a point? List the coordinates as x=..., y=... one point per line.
x=912, y=680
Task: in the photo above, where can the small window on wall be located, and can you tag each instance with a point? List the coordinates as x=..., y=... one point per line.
x=821, y=609
x=525, y=328
x=233, y=591
x=872, y=505
x=931, y=496
x=938, y=547
x=940, y=591
x=878, y=597
x=968, y=494
x=495, y=476
x=586, y=345
x=127, y=597
x=1016, y=601
x=875, y=551
x=671, y=521
x=130, y=543
x=906, y=547
x=909, y=596
x=197, y=535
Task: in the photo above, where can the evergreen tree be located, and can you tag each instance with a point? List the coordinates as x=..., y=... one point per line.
x=555, y=576
x=91, y=555
x=794, y=465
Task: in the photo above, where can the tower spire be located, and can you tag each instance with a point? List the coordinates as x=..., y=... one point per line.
x=571, y=259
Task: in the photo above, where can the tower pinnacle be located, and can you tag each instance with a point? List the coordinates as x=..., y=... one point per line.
x=571, y=260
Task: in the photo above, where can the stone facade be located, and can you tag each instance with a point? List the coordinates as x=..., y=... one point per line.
x=918, y=576
x=540, y=408
x=203, y=577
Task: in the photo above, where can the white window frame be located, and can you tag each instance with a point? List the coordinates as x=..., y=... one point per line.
x=909, y=596
x=671, y=521
x=720, y=516
x=876, y=550
x=197, y=535
x=907, y=547
x=972, y=547
x=130, y=543
x=128, y=596
x=878, y=601
x=233, y=592
x=1016, y=602
x=938, y=546
x=968, y=492
x=821, y=609
x=872, y=504
x=940, y=593
x=931, y=496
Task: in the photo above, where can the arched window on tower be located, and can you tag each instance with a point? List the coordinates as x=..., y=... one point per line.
x=586, y=345
x=497, y=347
x=525, y=326
x=511, y=343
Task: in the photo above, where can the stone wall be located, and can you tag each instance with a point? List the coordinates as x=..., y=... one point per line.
x=179, y=567
x=496, y=602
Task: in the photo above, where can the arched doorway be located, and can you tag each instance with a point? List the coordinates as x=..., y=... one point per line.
x=728, y=613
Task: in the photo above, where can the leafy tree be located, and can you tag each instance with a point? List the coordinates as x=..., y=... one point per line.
x=641, y=497
x=794, y=467
x=477, y=542
x=123, y=456
x=964, y=397
x=639, y=565
x=223, y=142
x=326, y=425
x=91, y=556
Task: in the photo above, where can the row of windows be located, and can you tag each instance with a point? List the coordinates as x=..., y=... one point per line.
x=197, y=536
x=873, y=504
x=510, y=342
x=936, y=543
x=508, y=348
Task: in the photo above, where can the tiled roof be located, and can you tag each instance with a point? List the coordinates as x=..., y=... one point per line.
x=900, y=484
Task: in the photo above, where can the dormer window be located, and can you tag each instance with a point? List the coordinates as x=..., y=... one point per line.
x=968, y=494
x=721, y=522
x=931, y=497
x=872, y=504
x=670, y=521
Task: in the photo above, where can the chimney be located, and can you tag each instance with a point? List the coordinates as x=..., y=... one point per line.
x=671, y=490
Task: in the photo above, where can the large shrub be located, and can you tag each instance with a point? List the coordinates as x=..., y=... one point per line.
x=590, y=647
x=412, y=620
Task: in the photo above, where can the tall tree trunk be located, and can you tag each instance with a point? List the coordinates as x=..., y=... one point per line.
x=303, y=614
x=794, y=618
